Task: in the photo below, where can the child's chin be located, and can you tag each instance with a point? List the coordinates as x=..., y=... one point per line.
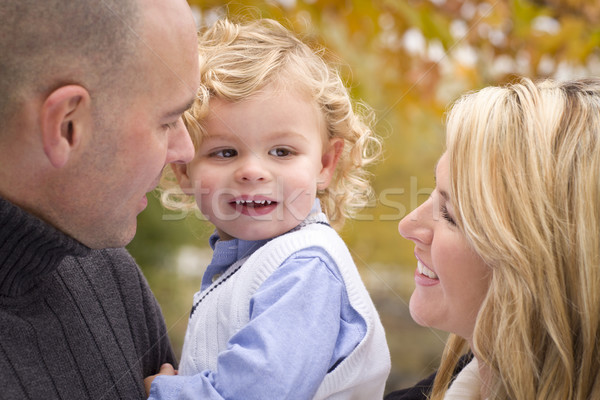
x=269, y=233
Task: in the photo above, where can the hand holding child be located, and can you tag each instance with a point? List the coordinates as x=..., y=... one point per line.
x=165, y=369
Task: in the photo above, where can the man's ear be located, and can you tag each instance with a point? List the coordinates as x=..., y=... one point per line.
x=329, y=161
x=185, y=182
x=65, y=116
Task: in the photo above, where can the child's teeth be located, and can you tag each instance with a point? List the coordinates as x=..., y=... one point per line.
x=250, y=202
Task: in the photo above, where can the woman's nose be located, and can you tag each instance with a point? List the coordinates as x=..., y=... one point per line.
x=417, y=226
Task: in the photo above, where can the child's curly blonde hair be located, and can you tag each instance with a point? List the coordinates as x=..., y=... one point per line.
x=238, y=60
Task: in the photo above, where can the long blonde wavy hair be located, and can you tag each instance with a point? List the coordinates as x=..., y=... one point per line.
x=525, y=181
x=237, y=60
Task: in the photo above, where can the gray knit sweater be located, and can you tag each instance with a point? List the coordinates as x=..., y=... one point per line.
x=75, y=323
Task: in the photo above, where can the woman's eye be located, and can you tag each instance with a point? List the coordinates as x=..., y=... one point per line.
x=280, y=152
x=446, y=215
x=224, y=153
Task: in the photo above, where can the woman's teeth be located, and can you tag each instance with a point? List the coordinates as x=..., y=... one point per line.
x=423, y=270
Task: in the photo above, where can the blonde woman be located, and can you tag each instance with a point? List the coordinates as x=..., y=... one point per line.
x=508, y=246
x=280, y=152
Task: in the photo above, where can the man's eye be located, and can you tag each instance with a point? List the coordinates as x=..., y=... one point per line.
x=280, y=152
x=225, y=153
x=171, y=125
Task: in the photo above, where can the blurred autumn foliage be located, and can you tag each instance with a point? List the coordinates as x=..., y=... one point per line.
x=407, y=59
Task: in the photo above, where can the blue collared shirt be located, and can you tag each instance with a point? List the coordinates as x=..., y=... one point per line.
x=301, y=326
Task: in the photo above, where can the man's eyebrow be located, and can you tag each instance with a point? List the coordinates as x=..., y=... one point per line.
x=180, y=110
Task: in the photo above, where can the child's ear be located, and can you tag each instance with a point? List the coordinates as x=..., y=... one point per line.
x=185, y=182
x=329, y=161
x=64, y=119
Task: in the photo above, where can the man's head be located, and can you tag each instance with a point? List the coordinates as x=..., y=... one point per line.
x=92, y=97
x=54, y=42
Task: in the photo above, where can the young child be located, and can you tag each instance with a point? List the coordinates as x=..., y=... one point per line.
x=282, y=312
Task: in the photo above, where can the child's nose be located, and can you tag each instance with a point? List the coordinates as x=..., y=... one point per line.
x=251, y=170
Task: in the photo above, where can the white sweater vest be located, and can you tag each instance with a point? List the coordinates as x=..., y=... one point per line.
x=224, y=310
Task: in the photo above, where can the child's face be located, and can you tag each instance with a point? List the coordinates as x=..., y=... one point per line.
x=256, y=174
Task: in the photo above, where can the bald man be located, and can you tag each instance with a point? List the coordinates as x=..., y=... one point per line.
x=92, y=94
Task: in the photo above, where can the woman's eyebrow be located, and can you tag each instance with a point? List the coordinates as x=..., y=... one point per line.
x=442, y=193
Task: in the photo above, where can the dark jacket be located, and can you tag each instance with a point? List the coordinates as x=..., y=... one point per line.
x=422, y=389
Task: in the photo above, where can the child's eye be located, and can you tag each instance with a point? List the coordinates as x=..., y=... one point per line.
x=446, y=215
x=224, y=153
x=280, y=152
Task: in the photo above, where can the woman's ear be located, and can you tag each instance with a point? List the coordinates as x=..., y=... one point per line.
x=181, y=173
x=65, y=118
x=329, y=161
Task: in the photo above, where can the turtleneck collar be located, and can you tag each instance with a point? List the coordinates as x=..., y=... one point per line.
x=29, y=249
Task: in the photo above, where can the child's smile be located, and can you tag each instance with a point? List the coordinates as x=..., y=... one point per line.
x=257, y=206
